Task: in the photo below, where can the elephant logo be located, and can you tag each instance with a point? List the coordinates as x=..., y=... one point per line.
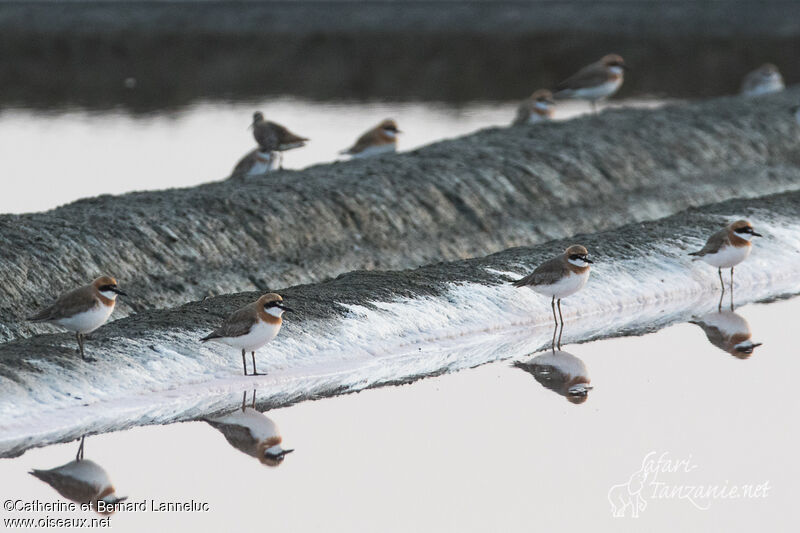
x=629, y=495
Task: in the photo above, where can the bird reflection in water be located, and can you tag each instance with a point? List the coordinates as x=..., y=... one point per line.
x=560, y=372
x=729, y=332
x=81, y=481
x=252, y=433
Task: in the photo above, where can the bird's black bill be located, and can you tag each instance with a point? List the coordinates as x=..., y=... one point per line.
x=289, y=309
x=588, y=260
x=756, y=234
x=119, y=291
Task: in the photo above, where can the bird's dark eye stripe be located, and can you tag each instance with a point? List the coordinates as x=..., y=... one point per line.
x=108, y=287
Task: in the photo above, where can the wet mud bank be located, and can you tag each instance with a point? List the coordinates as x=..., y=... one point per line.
x=466, y=197
x=364, y=329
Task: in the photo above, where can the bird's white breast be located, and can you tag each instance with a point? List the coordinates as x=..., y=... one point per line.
x=260, y=426
x=376, y=150
x=597, y=92
x=727, y=322
x=727, y=256
x=87, y=321
x=85, y=471
x=566, y=286
x=536, y=118
x=262, y=165
x=259, y=335
x=768, y=86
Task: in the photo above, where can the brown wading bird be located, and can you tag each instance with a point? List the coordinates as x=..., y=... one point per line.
x=84, y=309
x=252, y=433
x=254, y=163
x=727, y=248
x=560, y=372
x=594, y=82
x=82, y=481
x=729, y=332
x=765, y=79
x=251, y=327
x=382, y=139
x=559, y=277
x=272, y=137
x=537, y=108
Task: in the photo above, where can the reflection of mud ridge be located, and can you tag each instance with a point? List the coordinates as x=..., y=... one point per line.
x=82, y=54
x=466, y=197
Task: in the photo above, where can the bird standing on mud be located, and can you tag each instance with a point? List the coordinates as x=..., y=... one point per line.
x=251, y=327
x=558, y=278
x=382, y=139
x=765, y=79
x=272, y=137
x=727, y=248
x=539, y=107
x=594, y=82
x=84, y=309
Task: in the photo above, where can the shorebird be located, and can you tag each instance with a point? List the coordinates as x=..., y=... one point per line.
x=252, y=432
x=560, y=372
x=729, y=332
x=558, y=278
x=256, y=162
x=537, y=108
x=84, y=309
x=251, y=327
x=727, y=248
x=382, y=139
x=272, y=137
x=763, y=80
x=594, y=82
x=82, y=481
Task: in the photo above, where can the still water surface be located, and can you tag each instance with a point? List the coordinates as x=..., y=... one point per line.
x=492, y=448
x=48, y=159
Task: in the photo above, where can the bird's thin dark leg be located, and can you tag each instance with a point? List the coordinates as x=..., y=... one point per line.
x=79, y=456
x=78, y=340
x=553, y=305
x=255, y=372
x=562, y=323
x=721, y=283
x=721, y=297
x=731, y=288
x=254, y=398
x=244, y=399
x=244, y=362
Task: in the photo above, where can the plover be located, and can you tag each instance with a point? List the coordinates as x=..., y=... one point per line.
x=559, y=277
x=594, y=82
x=538, y=107
x=382, y=139
x=81, y=481
x=729, y=332
x=272, y=137
x=84, y=309
x=251, y=327
x=255, y=163
x=728, y=247
x=763, y=80
x=561, y=372
x=252, y=432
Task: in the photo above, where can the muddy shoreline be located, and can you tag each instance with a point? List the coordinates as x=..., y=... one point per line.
x=304, y=363
x=467, y=197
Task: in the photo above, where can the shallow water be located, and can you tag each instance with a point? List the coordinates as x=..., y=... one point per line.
x=55, y=158
x=488, y=449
